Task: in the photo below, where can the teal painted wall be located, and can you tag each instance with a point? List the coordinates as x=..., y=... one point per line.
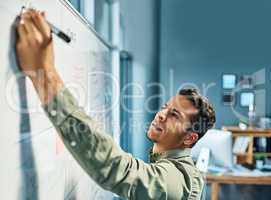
x=140, y=24
x=201, y=40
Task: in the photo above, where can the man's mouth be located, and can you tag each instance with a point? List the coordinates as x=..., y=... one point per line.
x=158, y=128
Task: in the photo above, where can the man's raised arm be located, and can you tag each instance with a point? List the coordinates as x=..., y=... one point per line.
x=95, y=151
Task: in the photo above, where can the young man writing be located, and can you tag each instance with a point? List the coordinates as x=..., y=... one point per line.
x=175, y=129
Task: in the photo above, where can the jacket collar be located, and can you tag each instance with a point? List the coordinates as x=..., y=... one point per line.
x=176, y=153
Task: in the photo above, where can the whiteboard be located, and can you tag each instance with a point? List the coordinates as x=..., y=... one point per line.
x=34, y=163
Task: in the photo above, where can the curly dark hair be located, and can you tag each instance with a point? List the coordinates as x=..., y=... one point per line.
x=205, y=118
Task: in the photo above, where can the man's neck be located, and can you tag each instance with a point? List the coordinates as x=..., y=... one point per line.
x=157, y=148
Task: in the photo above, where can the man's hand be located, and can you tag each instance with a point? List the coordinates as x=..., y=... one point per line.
x=34, y=44
x=34, y=49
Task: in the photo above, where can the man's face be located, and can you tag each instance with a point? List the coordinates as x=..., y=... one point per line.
x=170, y=123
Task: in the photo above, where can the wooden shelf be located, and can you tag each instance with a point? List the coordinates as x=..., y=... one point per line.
x=255, y=132
x=235, y=129
x=252, y=134
x=248, y=157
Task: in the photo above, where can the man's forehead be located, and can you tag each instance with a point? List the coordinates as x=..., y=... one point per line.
x=181, y=103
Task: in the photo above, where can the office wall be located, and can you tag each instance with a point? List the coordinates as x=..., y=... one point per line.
x=139, y=21
x=201, y=40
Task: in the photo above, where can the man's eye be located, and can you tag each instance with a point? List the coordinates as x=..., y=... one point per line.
x=175, y=115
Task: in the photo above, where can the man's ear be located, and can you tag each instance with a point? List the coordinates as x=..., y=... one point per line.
x=190, y=139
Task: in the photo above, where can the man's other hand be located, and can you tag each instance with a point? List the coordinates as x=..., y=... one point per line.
x=34, y=46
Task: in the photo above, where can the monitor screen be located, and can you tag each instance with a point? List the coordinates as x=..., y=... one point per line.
x=220, y=145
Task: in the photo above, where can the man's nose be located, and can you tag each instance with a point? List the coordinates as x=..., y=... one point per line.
x=162, y=115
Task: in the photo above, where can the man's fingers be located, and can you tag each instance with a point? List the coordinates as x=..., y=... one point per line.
x=31, y=30
x=29, y=25
x=41, y=24
x=21, y=30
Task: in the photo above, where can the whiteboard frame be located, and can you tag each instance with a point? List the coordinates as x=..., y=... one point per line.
x=77, y=14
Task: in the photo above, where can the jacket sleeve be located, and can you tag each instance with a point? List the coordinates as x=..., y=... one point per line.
x=104, y=161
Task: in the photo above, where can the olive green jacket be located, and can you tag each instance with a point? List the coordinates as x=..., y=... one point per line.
x=170, y=175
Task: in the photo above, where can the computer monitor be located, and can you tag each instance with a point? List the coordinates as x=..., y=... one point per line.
x=220, y=145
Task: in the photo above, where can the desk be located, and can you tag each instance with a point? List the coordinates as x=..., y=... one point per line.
x=216, y=180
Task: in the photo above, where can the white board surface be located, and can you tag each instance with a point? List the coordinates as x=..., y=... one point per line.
x=34, y=164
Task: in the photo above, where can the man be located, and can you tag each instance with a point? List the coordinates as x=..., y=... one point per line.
x=175, y=129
